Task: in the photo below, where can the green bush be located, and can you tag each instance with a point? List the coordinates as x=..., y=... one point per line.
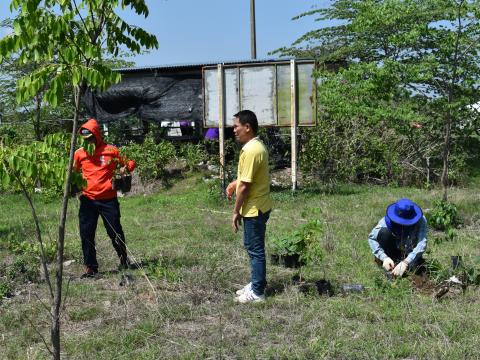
x=193, y=154
x=363, y=135
x=151, y=158
x=444, y=216
x=348, y=152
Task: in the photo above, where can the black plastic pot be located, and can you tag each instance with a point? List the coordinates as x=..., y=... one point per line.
x=127, y=183
x=456, y=261
x=291, y=261
x=122, y=183
x=275, y=259
x=321, y=287
x=324, y=287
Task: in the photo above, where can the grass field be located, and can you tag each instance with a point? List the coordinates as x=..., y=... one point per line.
x=180, y=304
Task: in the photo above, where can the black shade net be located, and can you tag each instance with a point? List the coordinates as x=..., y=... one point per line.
x=149, y=98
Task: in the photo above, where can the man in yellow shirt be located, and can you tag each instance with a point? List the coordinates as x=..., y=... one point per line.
x=253, y=203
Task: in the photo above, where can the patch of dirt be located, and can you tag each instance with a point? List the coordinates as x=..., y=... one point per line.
x=445, y=290
x=423, y=284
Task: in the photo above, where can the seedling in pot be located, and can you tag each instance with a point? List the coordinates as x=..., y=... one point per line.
x=299, y=247
x=122, y=179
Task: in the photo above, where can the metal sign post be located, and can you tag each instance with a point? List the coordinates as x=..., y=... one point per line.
x=221, y=124
x=253, y=34
x=294, y=120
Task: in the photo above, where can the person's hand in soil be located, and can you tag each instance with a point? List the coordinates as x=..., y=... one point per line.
x=388, y=264
x=400, y=269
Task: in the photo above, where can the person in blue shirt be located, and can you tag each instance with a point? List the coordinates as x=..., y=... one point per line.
x=400, y=238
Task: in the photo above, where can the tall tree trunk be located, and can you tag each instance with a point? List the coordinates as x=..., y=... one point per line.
x=450, y=98
x=446, y=155
x=55, y=326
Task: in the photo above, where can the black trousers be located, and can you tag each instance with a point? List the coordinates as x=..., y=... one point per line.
x=109, y=210
x=387, y=240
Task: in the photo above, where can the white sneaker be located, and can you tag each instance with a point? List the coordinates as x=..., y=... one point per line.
x=247, y=287
x=249, y=296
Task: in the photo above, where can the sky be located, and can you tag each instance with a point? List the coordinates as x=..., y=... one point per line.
x=196, y=31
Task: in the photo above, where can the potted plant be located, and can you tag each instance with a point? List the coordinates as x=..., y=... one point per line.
x=121, y=181
x=299, y=247
x=288, y=249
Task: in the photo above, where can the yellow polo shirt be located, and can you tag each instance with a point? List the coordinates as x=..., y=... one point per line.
x=253, y=169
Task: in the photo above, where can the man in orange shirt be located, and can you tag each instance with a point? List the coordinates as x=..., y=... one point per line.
x=98, y=197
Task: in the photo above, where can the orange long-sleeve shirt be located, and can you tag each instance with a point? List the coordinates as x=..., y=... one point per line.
x=98, y=169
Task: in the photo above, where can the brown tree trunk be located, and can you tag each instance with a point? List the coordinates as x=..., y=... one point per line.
x=451, y=97
x=57, y=301
x=446, y=155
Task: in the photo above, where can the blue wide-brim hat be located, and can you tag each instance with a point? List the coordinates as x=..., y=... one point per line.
x=404, y=212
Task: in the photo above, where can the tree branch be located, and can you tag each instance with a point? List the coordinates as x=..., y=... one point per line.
x=39, y=334
x=39, y=234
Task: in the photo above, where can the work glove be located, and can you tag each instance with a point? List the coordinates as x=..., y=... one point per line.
x=388, y=264
x=400, y=269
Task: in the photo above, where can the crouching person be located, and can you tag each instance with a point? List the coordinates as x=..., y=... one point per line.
x=400, y=238
x=98, y=161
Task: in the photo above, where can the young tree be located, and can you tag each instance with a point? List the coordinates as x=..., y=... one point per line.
x=428, y=50
x=33, y=111
x=67, y=39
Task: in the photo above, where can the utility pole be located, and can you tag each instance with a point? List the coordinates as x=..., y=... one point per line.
x=253, y=39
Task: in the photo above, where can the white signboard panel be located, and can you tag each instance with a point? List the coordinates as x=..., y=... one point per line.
x=265, y=89
x=258, y=93
x=306, y=94
x=210, y=93
x=232, y=101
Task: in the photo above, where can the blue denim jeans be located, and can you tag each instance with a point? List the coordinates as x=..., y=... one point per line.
x=254, y=241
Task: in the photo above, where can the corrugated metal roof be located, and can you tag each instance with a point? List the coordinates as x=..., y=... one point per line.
x=201, y=64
